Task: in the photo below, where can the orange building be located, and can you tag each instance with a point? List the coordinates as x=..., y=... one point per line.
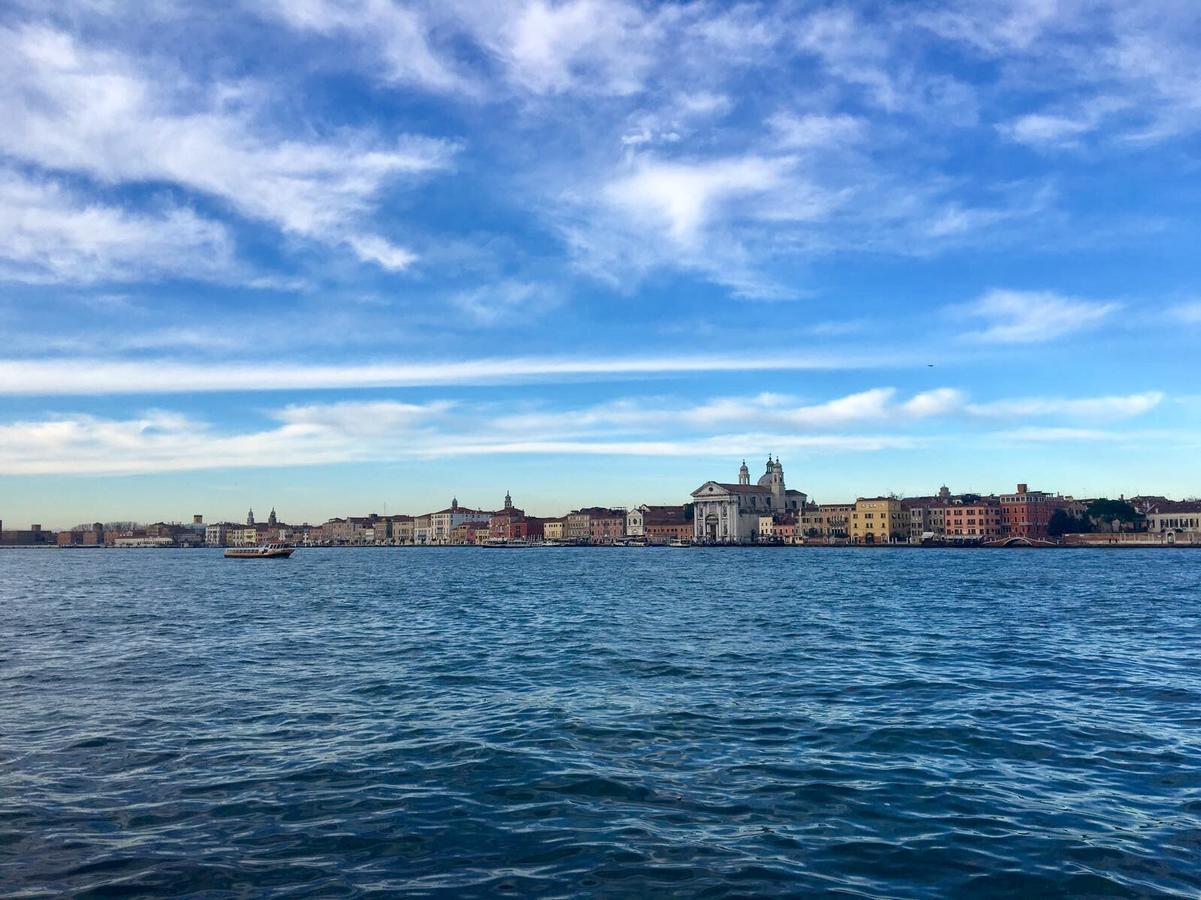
x=974, y=520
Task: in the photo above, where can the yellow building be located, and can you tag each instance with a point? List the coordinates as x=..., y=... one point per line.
x=826, y=521
x=243, y=537
x=878, y=520
x=554, y=530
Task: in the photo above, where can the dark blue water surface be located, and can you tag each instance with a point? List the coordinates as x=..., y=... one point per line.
x=601, y=722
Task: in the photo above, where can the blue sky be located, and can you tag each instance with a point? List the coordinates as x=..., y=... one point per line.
x=329, y=255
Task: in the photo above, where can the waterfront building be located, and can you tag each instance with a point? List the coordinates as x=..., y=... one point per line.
x=666, y=531
x=34, y=536
x=353, y=531
x=91, y=536
x=1181, y=518
x=577, y=527
x=636, y=522
x=973, y=520
x=729, y=513
x=470, y=532
x=660, y=524
x=401, y=530
x=422, y=529
x=879, y=520
x=510, y=523
x=825, y=521
x=442, y=522
x=777, y=529
x=605, y=525
x=554, y=529
x=1026, y=513
x=243, y=537
x=927, y=518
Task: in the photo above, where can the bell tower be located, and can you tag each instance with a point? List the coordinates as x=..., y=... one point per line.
x=744, y=474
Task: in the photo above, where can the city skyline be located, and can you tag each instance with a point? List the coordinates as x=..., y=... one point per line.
x=337, y=255
x=488, y=503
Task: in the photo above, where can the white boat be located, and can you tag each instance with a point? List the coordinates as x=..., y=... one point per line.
x=262, y=551
x=679, y=543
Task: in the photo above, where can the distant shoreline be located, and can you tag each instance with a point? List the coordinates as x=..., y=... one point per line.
x=957, y=547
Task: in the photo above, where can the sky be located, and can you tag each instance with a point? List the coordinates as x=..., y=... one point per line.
x=351, y=256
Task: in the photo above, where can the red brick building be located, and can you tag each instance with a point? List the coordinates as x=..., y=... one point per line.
x=512, y=524
x=1026, y=513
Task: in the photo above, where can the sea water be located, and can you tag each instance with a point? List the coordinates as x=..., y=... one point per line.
x=601, y=722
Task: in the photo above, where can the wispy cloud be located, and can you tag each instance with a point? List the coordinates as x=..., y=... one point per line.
x=384, y=429
x=49, y=233
x=505, y=302
x=396, y=42
x=314, y=434
x=1016, y=317
x=72, y=107
x=44, y=377
x=1101, y=408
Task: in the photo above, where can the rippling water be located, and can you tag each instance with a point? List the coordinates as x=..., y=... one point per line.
x=605, y=722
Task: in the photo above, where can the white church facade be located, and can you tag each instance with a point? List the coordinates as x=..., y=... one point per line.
x=729, y=513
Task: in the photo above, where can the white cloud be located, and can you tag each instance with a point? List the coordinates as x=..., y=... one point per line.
x=1042, y=129
x=875, y=406
x=364, y=418
x=1034, y=316
x=1104, y=408
x=938, y=402
x=379, y=430
x=71, y=107
x=682, y=195
x=160, y=441
x=815, y=130
x=399, y=37
x=597, y=46
x=50, y=234
x=45, y=377
x=371, y=248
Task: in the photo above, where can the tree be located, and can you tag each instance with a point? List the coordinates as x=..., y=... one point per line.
x=1062, y=523
x=1104, y=510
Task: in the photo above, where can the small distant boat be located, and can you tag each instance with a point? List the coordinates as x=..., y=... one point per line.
x=515, y=544
x=263, y=551
x=679, y=543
